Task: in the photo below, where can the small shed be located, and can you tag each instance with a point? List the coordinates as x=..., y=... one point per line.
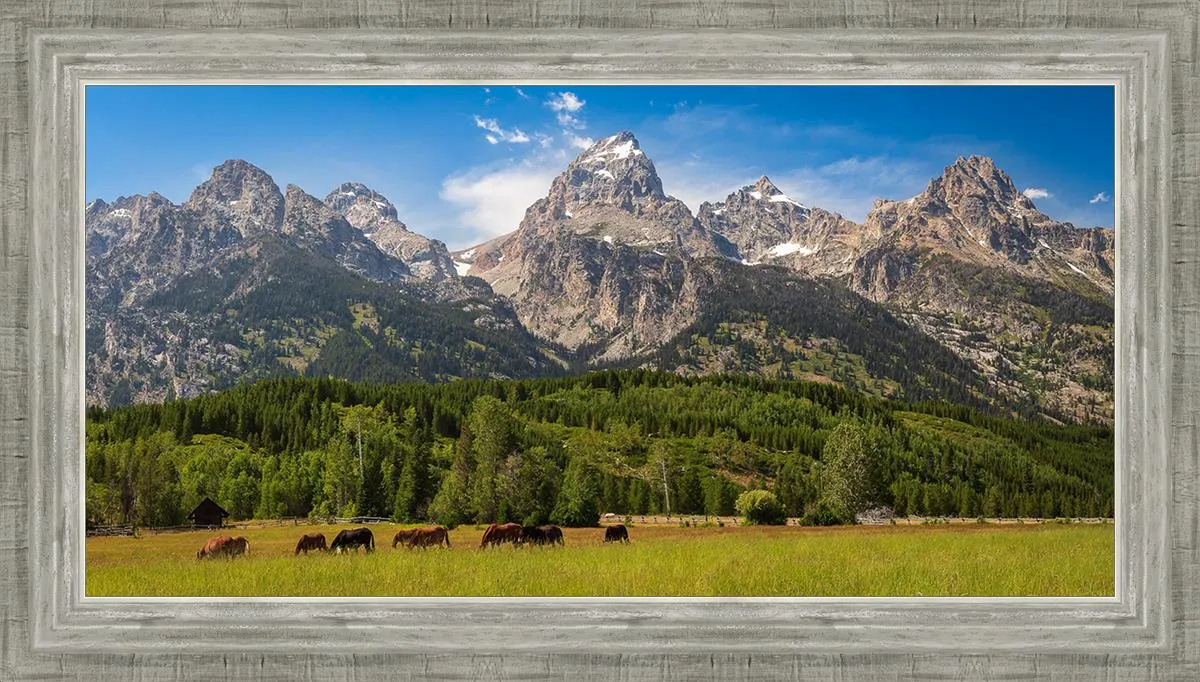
x=208, y=513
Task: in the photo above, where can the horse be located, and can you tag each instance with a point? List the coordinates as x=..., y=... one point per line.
x=500, y=533
x=532, y=535
x=429, y=537
x=224, y=546
x=554, y=534
x=403, y=536
x=617, y=533
x=353, y=539
x=311, y=542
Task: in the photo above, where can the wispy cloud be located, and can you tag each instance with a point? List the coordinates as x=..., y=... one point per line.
x=498, y=133
x=1100, y=198
x=1036, y=193
x=847, y=186
x=566, y=107
x=201, y=171
x=521, y=93
x=851, y=185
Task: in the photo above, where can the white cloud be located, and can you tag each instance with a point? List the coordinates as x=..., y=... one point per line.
x=1100, y=197
x=521, y=93
x=576, y=141
x=1036, y=193
x=491, y=201
x=566, y=107
x=498, y=133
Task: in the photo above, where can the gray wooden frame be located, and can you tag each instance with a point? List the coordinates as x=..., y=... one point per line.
x=1150, y=630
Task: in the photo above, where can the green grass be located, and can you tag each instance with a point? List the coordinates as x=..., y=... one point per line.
x=942, y=560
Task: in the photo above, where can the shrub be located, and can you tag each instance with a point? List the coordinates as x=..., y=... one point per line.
x=822, y=515
x=761, y=507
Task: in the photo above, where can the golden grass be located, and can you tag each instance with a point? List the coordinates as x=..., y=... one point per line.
x=938, y=560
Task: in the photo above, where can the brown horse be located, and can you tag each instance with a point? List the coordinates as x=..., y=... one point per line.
x=314, y=542
x=617, y=533
x=429, y=537
x=224, y=546
x=497, y=534
x=403, y=536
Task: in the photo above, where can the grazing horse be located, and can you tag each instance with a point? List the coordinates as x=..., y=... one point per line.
x=617, y=533
x=497, y=534
x=311, y=542
x=554, y=534
x=403, y=536
x=542, y=535
x=429, y=537
x=224, y=546
x=532, y=535
x=353, y=539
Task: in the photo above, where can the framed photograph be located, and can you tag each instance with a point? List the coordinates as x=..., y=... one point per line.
x=461, y=348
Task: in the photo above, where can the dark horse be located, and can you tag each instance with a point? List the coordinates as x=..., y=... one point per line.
x=497, y=534
x=532, y=535
x=403, y=536
x=353, y=539
x=311, y=542
x=429, y=537
x=617, y=533
x=541, y=535
x=554, y=534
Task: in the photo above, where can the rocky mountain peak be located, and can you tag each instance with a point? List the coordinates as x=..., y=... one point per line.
x=242, y=193
x=362, y=206
x=765, y=187
x=976, y=177
x=376, y=217
x=616, y=166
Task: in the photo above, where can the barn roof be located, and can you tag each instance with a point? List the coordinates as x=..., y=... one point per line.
x=207, y=507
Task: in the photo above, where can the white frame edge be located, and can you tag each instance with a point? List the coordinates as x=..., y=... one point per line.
x=1136, y=620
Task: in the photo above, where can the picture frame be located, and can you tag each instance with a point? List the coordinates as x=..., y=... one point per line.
x=1149, y=631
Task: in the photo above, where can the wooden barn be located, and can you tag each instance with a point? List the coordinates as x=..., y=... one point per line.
x=209, y=514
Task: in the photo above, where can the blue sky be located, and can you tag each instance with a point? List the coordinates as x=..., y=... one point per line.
x=462, y=163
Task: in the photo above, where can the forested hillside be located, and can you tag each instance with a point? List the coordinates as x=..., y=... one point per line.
x=569, y=449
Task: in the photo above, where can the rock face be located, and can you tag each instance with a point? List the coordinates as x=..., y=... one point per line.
x=604, y=259
x=974, y=213
x=767, y=226
x=369, y=211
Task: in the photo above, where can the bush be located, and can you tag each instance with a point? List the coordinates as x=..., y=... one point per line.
x=761, y=507
x=822, y=515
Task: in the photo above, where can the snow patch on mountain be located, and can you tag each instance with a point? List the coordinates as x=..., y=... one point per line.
x=783, y=198
x=788, y=248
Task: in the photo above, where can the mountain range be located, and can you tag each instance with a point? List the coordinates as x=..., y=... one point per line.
x=965, y=292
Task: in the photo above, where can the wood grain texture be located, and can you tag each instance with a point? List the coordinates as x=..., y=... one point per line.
x=27, y=437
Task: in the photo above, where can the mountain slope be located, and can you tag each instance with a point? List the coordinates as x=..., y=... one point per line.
x=244, y=281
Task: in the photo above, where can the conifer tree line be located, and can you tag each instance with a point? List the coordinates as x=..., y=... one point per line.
x=566, y=450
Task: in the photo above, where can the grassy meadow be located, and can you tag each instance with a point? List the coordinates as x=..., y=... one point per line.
x=661, y=560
